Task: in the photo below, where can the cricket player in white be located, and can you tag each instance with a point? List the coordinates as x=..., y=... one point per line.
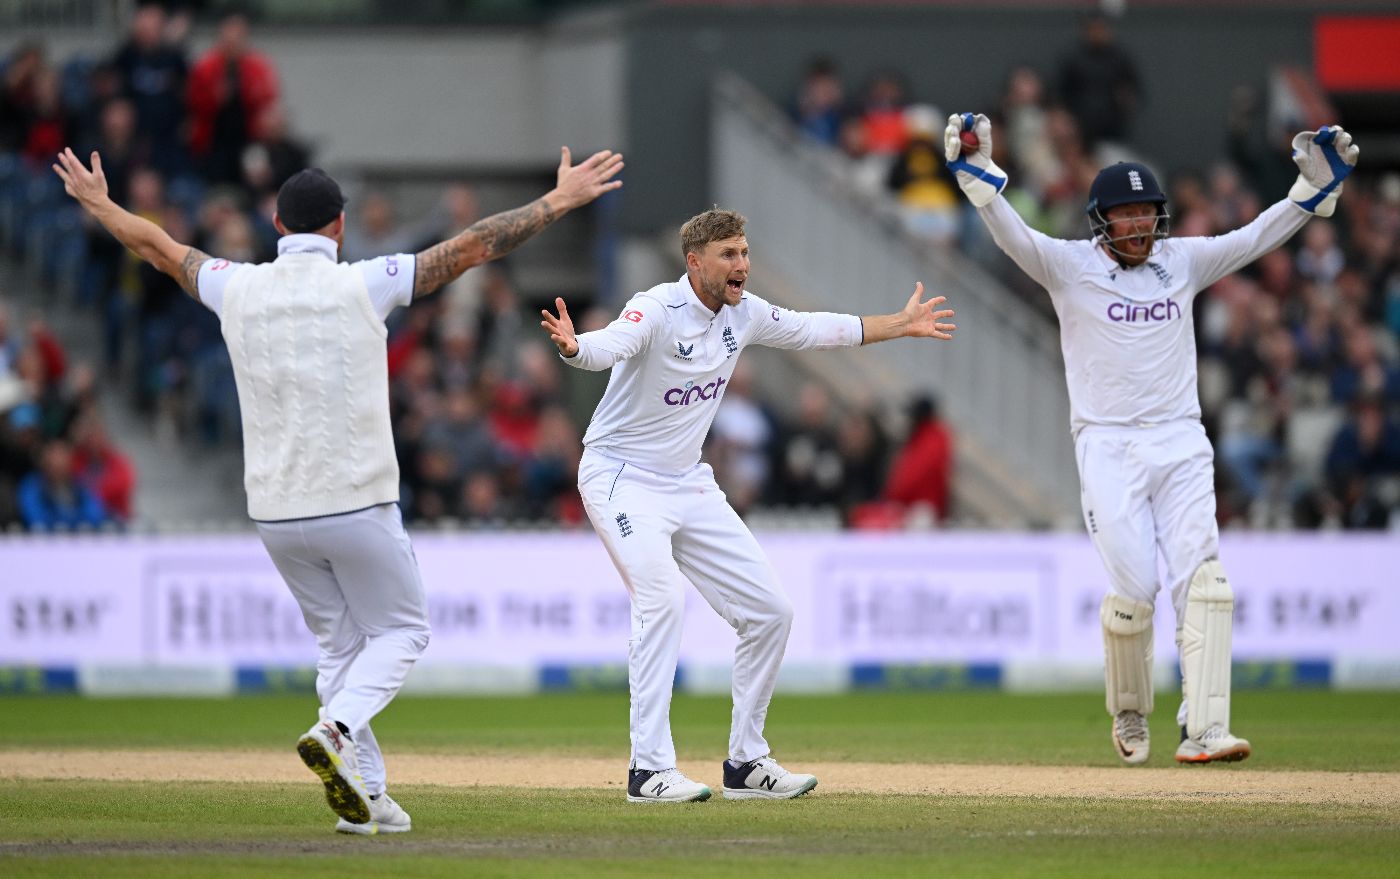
x=306, y=335
x=1124, y=301
x=663, y=519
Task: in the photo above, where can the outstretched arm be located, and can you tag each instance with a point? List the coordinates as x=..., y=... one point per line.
x=819, y=330
x=967, y=146
x=137, y=234
x=918, y=318
x=1325, y=158
x=625, y=337
x=499, y=234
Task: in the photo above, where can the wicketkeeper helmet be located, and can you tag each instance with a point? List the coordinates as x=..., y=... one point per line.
x=1120, y=184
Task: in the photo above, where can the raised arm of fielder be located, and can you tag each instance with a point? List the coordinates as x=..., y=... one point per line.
x=139, y=235
x=485, y=240
x=1324, y=157
x=499, y=234
x=621, y=340
x=982, y=182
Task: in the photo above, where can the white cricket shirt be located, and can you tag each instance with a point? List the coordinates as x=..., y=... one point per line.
x=671, y=358
x=1127, y=335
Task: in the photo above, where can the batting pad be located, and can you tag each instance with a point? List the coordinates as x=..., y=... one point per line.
x=1205, y=648
x=1127, y=653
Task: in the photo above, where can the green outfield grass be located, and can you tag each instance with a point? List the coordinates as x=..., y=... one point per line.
x=69, y=828
x=1293, y=729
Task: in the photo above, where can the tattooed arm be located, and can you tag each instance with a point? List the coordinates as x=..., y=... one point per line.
x=137, y=234
x=501, y=233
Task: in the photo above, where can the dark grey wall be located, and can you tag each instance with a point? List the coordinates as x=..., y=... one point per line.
x=955, y=59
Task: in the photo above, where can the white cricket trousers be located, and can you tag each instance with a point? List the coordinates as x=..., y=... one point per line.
x=357, y=581
x=664, y=532
x=1145, y=490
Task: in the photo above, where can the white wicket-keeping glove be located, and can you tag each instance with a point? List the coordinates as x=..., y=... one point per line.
x=1324, y=158
x=977, y=174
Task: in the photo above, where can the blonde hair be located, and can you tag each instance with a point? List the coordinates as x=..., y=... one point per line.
x=712, y=225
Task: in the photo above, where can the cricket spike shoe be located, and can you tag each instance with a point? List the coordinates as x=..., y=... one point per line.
x=1130, y=736
x=664, y=786
x=1215, y=745
x=763, y=779
x=385, y=816
x=326, y=750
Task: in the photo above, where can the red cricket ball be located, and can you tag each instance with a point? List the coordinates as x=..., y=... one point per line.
x=969, y=141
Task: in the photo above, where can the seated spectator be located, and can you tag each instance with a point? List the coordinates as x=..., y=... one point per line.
x=1320, y=259
x=1364, y=373
x=1028, y=147
x=550, y=473
x=19, y=452
x=21, y=72
x=1365, y=449
x=102, y=467
x=919, y=180
x=819, y=105
x=808, y=468
x=278, y=148
x=739, y=445
x=51, y=498
x=864, y=449
x=922, y=471
x=882, y=114
x=50, y=128
x=378, y=230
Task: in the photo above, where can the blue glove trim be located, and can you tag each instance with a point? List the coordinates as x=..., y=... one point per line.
x=963, y=165
x=968, y=119
x=1311, y=204
x=1326, y=138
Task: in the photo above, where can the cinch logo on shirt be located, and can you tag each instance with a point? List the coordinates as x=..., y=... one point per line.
x=1148, y=312
x=692, y=392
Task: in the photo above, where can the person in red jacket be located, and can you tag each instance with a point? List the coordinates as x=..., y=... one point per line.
x=102, y=467
x=229, y=90
x=923, y=468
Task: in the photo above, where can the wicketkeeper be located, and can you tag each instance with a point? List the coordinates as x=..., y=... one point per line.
x=1123, y=298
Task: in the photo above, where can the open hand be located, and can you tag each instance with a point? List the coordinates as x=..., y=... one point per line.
x=580, y=184
x=925, y=318
x=561, y=328
x=88, y=187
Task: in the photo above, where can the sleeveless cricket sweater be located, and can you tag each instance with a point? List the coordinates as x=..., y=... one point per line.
x=310, y=363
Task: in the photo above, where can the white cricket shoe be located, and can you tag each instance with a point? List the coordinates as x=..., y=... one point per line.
x=663, y=786
x=385, y=816
x=1131, y=737
x=764, y=779
x=330, y=754
x=1212, y=746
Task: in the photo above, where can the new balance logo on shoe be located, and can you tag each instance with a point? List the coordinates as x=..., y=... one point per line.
x=663, y=786
x=763, y=779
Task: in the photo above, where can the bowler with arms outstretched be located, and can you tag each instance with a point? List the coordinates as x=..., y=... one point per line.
x=662, y=518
